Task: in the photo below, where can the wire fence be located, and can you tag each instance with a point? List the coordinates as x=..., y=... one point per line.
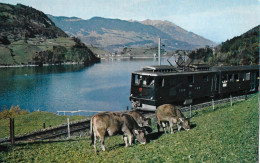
x=213, y=103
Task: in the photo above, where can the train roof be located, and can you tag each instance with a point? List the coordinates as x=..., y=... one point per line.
x=161, y=70
x=236, y=68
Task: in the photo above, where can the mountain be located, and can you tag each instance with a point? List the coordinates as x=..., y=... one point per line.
x=28, y=36
x=240, y=50
x=179, y=33
x=114, y=34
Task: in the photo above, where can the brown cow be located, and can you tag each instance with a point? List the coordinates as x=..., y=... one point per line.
x=171, y=114
x=140, y=119
x=115, y=123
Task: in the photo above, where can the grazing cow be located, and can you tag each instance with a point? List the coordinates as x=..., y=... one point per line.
x=171, y=114
x=115, y=123
x=140, y=119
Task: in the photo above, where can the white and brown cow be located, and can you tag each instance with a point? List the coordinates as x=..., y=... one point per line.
x=171, y=114
x=115, y=123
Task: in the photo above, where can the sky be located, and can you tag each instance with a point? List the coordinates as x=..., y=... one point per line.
x=216, y=20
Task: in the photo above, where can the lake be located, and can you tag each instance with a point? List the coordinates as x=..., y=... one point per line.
x=103, y=87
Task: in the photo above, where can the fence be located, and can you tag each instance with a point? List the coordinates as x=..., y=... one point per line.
x=213, y=103
x=77, y=128
x=88, y=112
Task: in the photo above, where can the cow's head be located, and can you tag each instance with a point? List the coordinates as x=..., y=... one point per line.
x=140, y=135
x=183, y=123
x=147, y=122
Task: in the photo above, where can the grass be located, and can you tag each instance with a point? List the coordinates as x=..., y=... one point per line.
x=228, y=134
x=34, y=121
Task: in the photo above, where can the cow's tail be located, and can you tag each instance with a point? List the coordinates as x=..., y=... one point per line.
x=91, y=131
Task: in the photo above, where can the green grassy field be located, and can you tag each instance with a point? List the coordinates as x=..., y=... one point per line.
x=228, y=134
x=34, y=121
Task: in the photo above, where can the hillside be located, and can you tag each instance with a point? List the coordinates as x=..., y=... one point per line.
x=28, y=36
x=114, y=34
x=240, y=50
x=243, y=49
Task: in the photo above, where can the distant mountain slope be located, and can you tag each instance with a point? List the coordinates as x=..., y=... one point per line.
x=113, y=34
x=28, y=36
x=240, y=50
x=179, y=33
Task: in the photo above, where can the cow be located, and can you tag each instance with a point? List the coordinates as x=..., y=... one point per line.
x=115, y=123
x=171, y=114
x=140, y=119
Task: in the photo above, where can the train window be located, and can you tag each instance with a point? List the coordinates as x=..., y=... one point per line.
x=191, y=79
x=248, y=76
x=205, y=78
x=231, y=77
x=137, y=79
x=161, y=82
x=236, y=78
x=224, y=78
x=241, y=76
x=148, y=81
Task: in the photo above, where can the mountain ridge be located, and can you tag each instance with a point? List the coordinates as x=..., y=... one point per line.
x=112, y=34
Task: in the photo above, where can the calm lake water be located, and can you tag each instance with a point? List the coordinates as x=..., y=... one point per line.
x=103, y=87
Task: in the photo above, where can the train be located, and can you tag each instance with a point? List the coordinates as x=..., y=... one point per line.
x=153, y=86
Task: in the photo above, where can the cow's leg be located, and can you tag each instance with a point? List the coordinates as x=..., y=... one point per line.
x=101, y=134
x=103, y=143
x=179, y=127
x=164, y=127
x=130, y=139
x=158, y=125
x=95, y=143
x=125, y=139
x=171, y=127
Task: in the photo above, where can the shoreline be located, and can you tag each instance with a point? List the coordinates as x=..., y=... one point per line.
x=46, y=64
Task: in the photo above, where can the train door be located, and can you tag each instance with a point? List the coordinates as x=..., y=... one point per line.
x=215, y=84
x=252, y=81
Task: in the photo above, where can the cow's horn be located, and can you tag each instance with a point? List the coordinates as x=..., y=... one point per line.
x=181, y=119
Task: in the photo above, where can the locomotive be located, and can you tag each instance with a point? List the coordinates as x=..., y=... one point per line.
x=166, y=84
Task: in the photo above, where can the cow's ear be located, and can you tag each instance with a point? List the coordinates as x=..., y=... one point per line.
x=136, y=131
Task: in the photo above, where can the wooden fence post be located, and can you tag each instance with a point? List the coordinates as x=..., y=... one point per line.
x=12, y=131
x=43, y=125
x=213, y=104
x=231, y=100
x=68, y=121
x=190, y=111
